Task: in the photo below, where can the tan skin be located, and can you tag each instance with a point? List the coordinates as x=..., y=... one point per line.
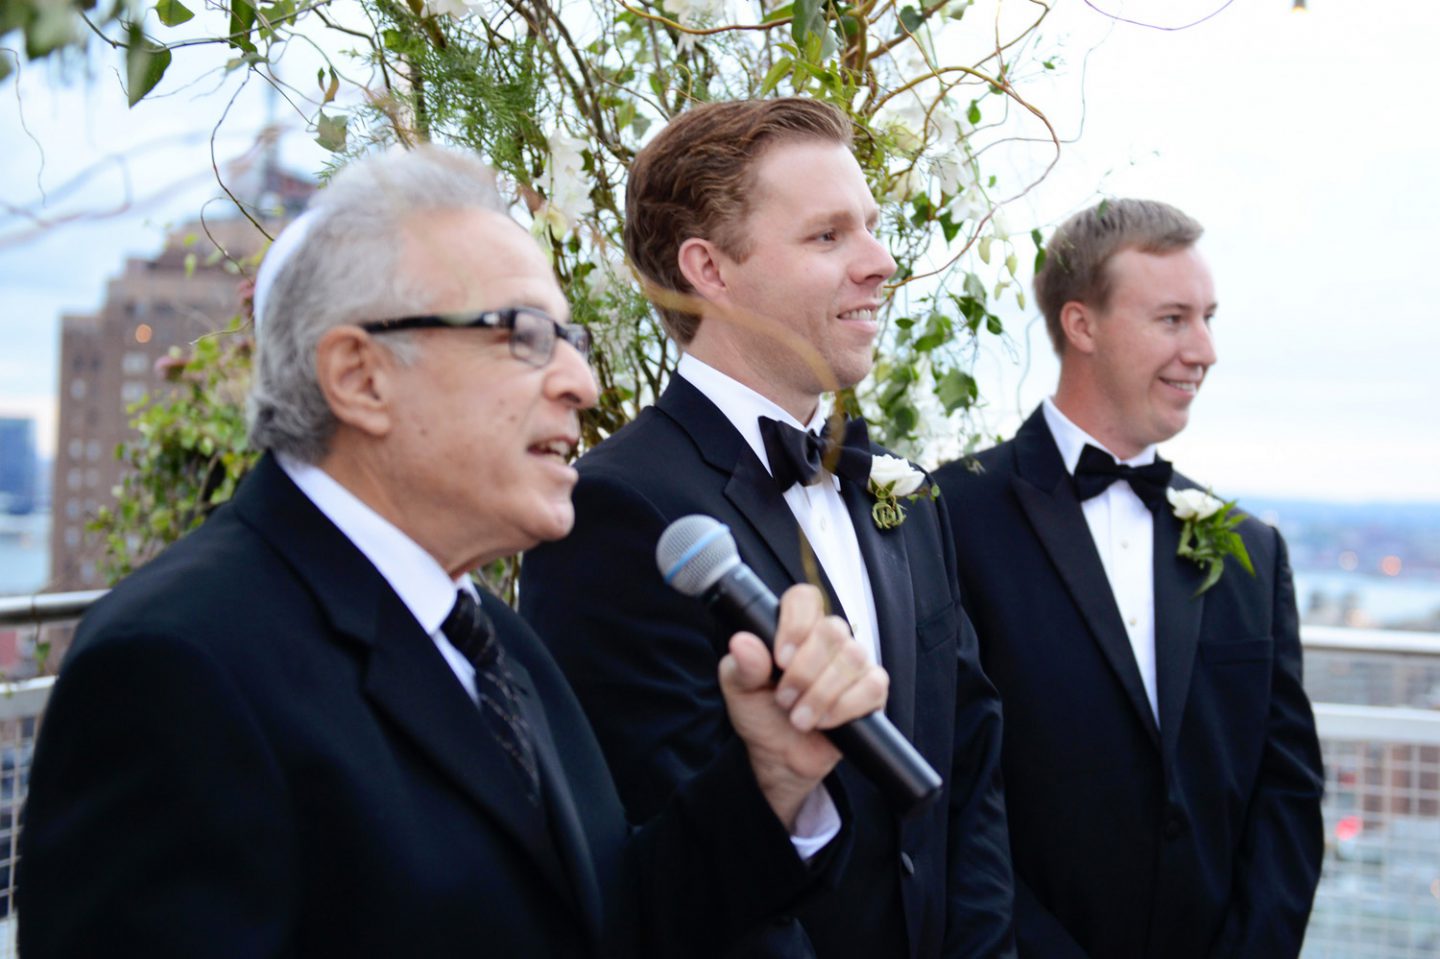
x=1132, y=368
x=796, y=317
x=464, y=451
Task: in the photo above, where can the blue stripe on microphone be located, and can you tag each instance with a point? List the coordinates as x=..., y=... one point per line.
x=720, y=530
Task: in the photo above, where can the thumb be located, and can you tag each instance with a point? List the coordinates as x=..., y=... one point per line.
x=747, y=667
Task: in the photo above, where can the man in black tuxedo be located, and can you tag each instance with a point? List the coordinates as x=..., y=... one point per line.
x=753, y=226
x=298, y=732
x=1162, y=771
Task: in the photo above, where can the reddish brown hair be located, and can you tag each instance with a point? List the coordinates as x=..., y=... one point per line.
x=695, y=179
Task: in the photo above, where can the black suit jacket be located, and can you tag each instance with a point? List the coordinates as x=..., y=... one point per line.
x=642, y=658
x=254, y=750
x=1199, y=838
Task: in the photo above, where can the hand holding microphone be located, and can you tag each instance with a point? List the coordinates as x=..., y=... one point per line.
x=827, y=673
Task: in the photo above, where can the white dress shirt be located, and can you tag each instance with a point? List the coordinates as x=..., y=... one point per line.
x=429, y=593
x=415, y=576
x=1124, y=532
x=818, y=507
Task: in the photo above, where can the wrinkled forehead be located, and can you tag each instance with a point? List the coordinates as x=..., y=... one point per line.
x=476, y=259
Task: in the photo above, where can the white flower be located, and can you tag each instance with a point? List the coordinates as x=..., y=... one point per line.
x=885, y=470
x=568, y=184
x=1193, y=504
x=454, y=9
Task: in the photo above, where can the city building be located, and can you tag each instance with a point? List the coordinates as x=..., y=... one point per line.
x=19, y=468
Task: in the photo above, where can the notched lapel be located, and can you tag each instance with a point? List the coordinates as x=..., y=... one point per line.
x=1046, y=495
x=887, y=562
x=409, y=681
x=1178, y=612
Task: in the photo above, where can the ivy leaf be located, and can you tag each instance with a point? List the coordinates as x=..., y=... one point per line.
x=973, y=114
x=332, y=88
x=911, y=19
x=330, y=132
x=776, y=74
x=809, y=18
x=956, y=390
x=242, y=18
x=172, y=13
x=145, y=64
x=1039, y=249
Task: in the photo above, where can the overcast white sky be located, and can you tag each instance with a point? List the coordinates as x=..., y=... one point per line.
x=1305, y=142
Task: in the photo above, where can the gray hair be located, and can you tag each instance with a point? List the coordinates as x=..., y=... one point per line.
x=344, y=269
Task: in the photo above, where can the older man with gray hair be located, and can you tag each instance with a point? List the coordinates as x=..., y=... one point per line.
x=301, y=731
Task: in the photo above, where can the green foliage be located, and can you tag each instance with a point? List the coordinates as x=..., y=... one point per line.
x=190, y=453
x=559, y=100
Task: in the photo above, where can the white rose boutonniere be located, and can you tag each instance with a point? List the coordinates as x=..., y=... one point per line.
x=891, y=478
x=1207, y=533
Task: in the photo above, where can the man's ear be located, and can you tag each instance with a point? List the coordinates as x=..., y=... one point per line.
x=356, y=375
x=699, y=263
x=1078, y=321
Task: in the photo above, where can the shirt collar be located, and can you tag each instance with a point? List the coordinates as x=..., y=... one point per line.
x=741, y=405
x=1072, y=440
x=416, y=577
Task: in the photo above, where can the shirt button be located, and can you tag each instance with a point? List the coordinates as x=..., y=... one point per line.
x=1132, y=620
x=824, y=523
x=1124, y=544
x=907, y=864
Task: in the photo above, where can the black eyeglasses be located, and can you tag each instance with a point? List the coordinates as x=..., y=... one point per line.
x=532, y=332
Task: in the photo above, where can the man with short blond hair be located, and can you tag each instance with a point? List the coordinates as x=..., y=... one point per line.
x=1162, y=771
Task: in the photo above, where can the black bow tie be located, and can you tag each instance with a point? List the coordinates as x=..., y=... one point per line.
x=797, y=456
x=1097, y=469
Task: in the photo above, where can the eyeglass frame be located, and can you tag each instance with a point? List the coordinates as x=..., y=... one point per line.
x=577, y=335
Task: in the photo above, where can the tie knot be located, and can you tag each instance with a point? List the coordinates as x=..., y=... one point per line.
x=799, y=456
x=470, y=630
x=1097, y=469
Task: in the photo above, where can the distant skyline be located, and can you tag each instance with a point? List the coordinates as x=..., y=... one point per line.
x=1302, y=141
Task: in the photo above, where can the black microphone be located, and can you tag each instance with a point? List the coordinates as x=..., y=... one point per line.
x=697, y=556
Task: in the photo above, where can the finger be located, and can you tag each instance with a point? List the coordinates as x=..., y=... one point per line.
x=826, y=638
x=747, y=667
x=822, y=697
x=866, y=695
x=800, y=608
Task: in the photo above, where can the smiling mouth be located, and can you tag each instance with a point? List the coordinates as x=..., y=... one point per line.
x=1188, y=386
x=864, y=315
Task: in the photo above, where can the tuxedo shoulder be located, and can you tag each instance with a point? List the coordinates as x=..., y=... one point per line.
x=976, y=471
x=637, y=447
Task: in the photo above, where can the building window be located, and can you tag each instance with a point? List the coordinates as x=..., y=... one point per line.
x=78, y=388
x=136, y=363
x=72, y=536
x=77, y=449
x=75, y=478
x=92, y=450
x=132, y=391
x=72, y=509
x=92, y=478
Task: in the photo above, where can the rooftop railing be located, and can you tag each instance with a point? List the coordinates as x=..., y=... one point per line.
x=1376, y=695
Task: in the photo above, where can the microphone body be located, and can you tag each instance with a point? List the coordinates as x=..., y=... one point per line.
x=738, y=598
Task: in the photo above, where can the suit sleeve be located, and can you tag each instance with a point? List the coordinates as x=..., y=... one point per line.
x=641, y=657
x=156, y=816
x=1278, y=866
x=980, y=884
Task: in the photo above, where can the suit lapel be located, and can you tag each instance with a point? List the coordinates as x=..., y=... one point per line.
x=887, y=562
x=1048, y=498
x=749, y=488
x=405, y=676
x=569, y=834
x=1178, y=612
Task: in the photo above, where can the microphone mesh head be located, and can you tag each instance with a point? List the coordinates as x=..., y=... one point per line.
x=694, y=552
